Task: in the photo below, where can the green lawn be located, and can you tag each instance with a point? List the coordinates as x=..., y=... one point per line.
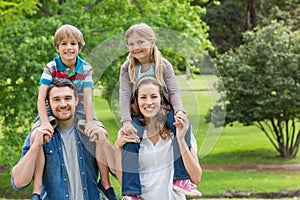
x=234, y=145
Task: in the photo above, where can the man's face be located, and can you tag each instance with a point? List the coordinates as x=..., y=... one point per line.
x=63, y=103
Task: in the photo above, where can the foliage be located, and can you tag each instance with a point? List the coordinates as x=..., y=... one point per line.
x=16, y=10
x=26, y=46
x=262, y=81
x=227, y=21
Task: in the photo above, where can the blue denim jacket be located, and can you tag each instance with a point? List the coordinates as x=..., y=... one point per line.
x=55, y=178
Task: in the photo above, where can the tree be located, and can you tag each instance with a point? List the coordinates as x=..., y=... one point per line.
x=262, y=81
x=229, y=19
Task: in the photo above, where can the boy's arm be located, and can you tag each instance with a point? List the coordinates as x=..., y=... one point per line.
x=41, y=104
x=88, y=104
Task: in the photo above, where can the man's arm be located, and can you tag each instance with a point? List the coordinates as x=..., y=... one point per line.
x=23, y=171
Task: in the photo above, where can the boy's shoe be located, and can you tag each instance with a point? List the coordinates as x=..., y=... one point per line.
x=35, y=196
x=109, y=194
x=129, y=197
x=187, y=188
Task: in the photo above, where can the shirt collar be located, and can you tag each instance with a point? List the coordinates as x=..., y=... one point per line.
x=78, y=68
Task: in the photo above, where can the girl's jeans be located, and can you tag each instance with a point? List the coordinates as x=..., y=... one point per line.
x=130, y=157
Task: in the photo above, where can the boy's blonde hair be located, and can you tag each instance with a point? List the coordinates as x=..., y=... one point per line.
x=147, y=33
x=69, y=31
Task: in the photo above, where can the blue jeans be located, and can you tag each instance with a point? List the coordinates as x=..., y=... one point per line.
x=130, y=156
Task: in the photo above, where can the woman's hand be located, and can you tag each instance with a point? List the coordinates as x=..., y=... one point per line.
x=124, y=138
x=182, y=125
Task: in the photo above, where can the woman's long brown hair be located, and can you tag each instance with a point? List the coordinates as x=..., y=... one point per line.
x=160, y=119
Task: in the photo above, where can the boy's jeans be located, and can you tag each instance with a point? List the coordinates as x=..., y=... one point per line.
x=130, y=156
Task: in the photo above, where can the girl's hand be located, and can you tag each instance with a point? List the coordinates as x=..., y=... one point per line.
x=124, y=138
x=128, y=128
x=182, y=125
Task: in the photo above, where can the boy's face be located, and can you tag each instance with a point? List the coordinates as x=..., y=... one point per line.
x=68, y=49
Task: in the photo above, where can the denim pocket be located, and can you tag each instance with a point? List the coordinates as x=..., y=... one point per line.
x=52, y=158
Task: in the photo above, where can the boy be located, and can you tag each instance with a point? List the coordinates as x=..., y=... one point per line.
x=68, y=41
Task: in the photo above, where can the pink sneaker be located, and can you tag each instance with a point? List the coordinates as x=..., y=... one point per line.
x=187, y=188
x=131, y=197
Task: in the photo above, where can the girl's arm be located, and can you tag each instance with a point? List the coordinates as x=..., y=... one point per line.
x=125, y=93
x=172, y=87
x=189, y=156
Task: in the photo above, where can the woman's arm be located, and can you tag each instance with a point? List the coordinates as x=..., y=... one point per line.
x=120, y=142
x=189, y=156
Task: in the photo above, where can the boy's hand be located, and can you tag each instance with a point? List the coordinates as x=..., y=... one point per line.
x=94, y=131
x=41, y=135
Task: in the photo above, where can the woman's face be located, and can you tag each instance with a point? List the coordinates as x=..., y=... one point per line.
x=149, y=99
x=139, y=48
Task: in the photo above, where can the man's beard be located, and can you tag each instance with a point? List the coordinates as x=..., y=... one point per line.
x=63, y=119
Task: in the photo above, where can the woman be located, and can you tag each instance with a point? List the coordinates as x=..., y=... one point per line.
x=156, y=149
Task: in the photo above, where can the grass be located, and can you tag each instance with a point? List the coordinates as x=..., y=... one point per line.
x=235, y=145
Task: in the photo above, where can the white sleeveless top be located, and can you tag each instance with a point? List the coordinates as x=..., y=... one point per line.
x=156, y=169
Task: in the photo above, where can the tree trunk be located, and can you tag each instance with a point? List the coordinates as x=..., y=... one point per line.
x=251, y=17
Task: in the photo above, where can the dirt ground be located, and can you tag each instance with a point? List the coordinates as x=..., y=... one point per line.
x=280, y=169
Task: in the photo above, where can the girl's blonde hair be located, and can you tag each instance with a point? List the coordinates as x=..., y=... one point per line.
x=146, y=32
x=160, y=119
x=68, y=31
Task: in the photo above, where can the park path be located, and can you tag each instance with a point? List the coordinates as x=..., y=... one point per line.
x=257, y=168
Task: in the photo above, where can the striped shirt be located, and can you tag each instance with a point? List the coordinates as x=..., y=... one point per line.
x=81, y=76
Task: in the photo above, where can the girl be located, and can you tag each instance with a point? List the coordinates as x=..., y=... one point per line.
x=144, y=60
x=155, y=162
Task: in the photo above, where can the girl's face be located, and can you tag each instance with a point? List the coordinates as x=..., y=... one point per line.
x=68, y=49
x=140, y=48
x=149, y=99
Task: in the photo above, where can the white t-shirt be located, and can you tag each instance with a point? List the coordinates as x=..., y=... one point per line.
x=156, y=169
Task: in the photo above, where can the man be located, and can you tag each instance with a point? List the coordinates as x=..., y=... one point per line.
x=70, y=170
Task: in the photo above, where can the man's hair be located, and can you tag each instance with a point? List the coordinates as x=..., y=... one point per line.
x=61, y=83
x=68, y=31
